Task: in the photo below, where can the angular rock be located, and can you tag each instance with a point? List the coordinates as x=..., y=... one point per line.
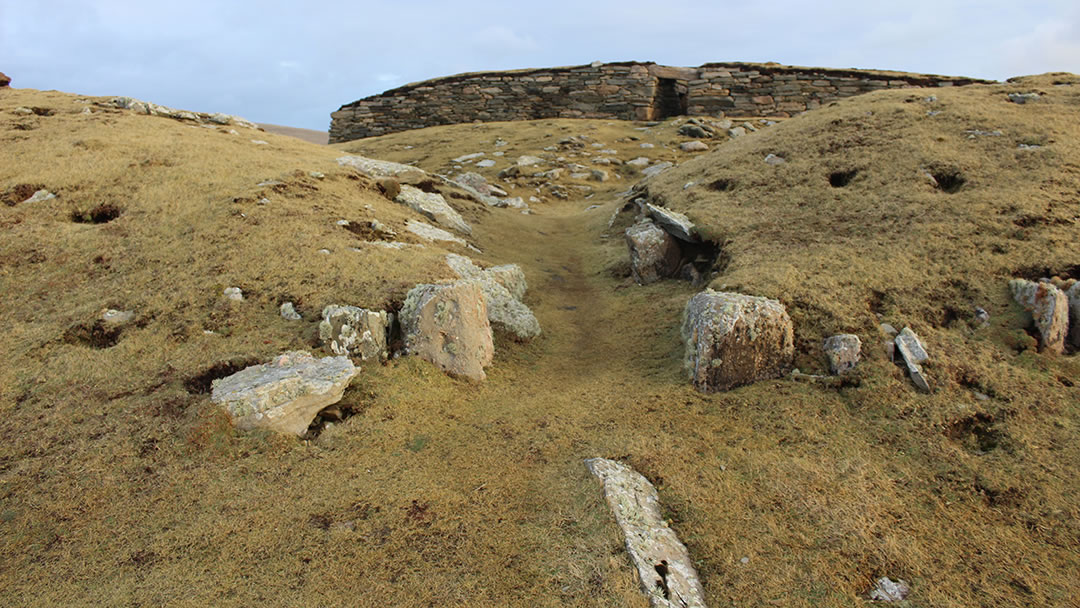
x=529, y=161
x=674, y=222
x=468, y=157
x=448, y=326
x=734, y=339
x=656, y=169
x=503, y=288
x=654, y=254
x=663, y=564
x=285, y=394
x=1022, y=98
x=477, y=182
x=378, y=168
x=288, y=312
x=690, y=130
x=434, y=207
x=1074, y=313
x=354, y=331
x=693, y=146
x=772, y=159
x=233, y=293
x=1049, y=306
x=431, y=233
x=843, y=352
x=639, y=162
x=40, y=196
x=5, y=80
x=486, y=163
x=913, y=353
x=598, y=175
x=886, y=590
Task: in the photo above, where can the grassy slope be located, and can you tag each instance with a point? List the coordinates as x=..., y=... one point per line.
x=117, y=485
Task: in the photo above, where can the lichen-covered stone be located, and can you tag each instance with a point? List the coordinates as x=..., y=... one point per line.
x=285, y=394
x=674, y=222
x=913, y=352
x=431, y=233
x=448, y=326
x=734, y=339
x=843, y=351
x=501, y=286
x=433, y=206
x=354, y=331
x=654, y=254
x=1049, y=306
x=663, y=564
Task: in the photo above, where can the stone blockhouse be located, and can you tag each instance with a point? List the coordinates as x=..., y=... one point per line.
x=628, y=91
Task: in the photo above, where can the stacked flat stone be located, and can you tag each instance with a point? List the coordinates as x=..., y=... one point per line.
x=628, y=91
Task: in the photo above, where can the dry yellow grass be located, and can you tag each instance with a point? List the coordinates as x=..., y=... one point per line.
x=119, y=485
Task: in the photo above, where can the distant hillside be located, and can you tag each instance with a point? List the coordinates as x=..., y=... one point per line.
x=308, y=135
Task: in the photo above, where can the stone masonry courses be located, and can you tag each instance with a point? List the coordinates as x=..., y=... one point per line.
x=626, y=90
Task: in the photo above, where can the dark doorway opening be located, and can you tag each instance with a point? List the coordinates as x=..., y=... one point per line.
x=670, y=99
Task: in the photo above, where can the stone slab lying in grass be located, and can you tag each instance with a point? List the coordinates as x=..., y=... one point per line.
x=503, y=287
x=734, y=339
x=434, y=207
x=663, y=564
x=285, y=394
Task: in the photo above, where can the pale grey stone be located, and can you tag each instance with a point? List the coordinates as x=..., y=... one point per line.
x=656, y=169
x=468, y=157
x=117, y=317
x=654, y=254
x=234, y=293
x=663, y=564
x=773, y=159
x=40, y=196
x=733, y=339
x=354, y=331
x=433, y=206
x=285, y=394
x=288, y=312
x=598, y=175
x=639, y=162
x=448, y=326
x=529, y=161
x=674, y=222
x=377, y=168
x=503, y=288
x=1049, y=307
x=431, y=233
x=1022, y=98
x=913, y=353
x=693, y=146
x=647, y=146
x=886, y=590
x=843, y=351
x=736, y=132
x=260, y=142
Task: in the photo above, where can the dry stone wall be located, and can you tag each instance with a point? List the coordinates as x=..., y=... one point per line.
x=629, y=91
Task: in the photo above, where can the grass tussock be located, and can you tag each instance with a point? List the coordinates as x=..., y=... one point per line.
x=123, y=484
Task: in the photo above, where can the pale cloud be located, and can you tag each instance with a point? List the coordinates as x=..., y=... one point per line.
x=502, y=38
x=1052, y=46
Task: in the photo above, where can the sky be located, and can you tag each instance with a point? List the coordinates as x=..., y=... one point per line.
x=293, y=63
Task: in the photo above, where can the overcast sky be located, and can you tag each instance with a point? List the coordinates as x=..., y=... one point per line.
x=293, y=63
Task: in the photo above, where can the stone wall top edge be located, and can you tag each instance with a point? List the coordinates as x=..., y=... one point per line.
x=776, y=68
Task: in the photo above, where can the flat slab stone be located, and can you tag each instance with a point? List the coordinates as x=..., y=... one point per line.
x=285, y=394
x=433, y=206
x=431, y=233
x=376, y=168
x=913, y=353
x=663, y=564
x=674, y=222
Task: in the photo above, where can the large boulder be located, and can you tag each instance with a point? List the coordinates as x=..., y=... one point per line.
x=503, y=288
x=285, y=394
x=354, y=331
x=734, y=339
x=1049, y=306
x=433, y=206
x=448, y=326
x=663, y=564
x=654, y=254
